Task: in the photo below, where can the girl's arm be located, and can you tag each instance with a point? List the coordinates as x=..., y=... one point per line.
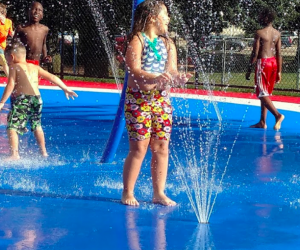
x=134, y=65
x=11, y=82
x=172, y=57
x=178, y=79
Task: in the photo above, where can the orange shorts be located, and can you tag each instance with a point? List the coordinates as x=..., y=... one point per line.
x=265, y=76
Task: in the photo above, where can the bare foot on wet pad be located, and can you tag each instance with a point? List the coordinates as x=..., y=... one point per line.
x=259, y=125
x=129, y=199
x=278, y=122
x=163, y=200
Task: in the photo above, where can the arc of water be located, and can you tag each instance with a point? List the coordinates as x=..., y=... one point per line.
x=228, y=160
x=197, y=60
x=101, y=26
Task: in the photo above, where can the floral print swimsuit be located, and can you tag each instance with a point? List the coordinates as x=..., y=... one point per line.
x=148, y=114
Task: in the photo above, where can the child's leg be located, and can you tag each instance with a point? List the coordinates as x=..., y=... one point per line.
x=14, y=144
x=40, y=138
x=263, y=116
x=132, y=166
x=159, y=170
x=5, y=69
x=270, y=106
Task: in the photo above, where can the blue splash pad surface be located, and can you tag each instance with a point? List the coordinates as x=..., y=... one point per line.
x=70, y=201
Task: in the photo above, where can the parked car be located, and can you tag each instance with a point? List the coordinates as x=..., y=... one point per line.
x=291, y=35
x=120, y=43
x=285, y=42
x=231, y=44
x=250, y=42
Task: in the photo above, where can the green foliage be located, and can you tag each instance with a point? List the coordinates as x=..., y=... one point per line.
x=201, y=18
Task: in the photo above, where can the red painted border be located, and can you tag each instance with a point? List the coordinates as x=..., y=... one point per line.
x=101, y=85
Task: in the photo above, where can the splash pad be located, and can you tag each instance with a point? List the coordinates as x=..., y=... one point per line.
x=71, y=200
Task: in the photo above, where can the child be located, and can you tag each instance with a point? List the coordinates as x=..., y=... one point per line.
x=34, y=35
x=151, y=61
x=26, y=101
x=5, y=31
x=267, y=45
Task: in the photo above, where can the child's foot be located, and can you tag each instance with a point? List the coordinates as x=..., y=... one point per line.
x=259, y=125
x=163, y=200
x=129, y=199
x=278, y=122
x=12, y=158
x=44, y=153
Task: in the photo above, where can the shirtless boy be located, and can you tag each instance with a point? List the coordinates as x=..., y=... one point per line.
x=267, y=55
x=34, y=35
x=6, y=30
x=22, y=87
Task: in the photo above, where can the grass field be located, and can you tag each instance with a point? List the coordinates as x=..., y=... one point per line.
x=234, y=82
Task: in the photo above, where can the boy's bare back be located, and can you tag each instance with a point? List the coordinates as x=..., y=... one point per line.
x=26, y=78
x=34, y=37
x=267, y=42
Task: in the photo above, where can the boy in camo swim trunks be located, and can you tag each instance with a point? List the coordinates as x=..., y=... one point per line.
x=26, y=101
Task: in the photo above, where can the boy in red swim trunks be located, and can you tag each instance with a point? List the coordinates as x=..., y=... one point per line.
x=34, y=35
x=267, y=55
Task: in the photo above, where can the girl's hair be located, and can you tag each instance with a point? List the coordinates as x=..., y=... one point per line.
x=142, y=15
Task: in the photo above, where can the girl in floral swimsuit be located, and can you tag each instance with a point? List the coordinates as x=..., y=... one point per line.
x=151, y=61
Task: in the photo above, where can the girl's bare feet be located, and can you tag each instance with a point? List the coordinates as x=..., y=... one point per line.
x=278, y=122
x=129, y=199
x=259, y=125
x=162, y=199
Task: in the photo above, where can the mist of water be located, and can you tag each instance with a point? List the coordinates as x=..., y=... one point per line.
x=194, y=52
x=197, y=166
x=103, y=32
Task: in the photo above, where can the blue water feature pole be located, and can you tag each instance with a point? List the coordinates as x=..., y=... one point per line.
x=119, y=123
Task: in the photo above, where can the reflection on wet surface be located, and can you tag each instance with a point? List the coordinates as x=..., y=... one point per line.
x=71, y=201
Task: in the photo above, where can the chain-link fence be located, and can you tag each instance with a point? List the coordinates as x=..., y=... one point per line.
x=225, y=60
x=86, y=38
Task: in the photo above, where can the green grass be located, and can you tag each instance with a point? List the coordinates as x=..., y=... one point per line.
x=288, y=81
x=90, y=79
x=232, y=82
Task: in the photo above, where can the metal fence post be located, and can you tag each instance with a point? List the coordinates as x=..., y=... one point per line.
x=298, y=61
x=62, y=41
x=223, y=61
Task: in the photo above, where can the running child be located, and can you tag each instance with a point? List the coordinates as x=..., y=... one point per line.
x=34, y=35
x=22, y=88
x=6, y=30
x=151, y=62
x=267, y=55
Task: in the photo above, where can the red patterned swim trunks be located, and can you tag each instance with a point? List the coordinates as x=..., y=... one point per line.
x=265, y=76
x=148, y=114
